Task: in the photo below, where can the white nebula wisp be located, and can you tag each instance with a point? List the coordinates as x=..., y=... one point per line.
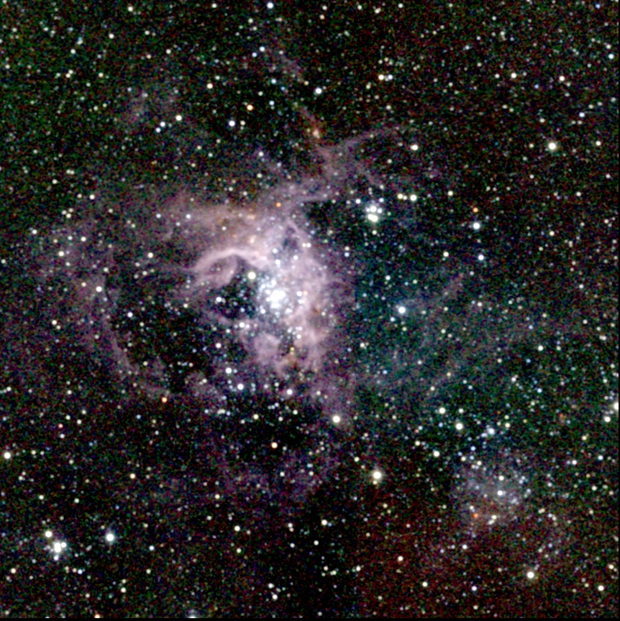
x=493, y=492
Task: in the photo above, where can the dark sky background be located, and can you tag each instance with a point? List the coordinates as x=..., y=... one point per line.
x=308, y=309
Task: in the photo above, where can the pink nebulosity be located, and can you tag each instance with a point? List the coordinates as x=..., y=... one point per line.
x=277, y=256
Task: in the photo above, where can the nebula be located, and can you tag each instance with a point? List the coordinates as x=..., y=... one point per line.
x=286, y=322
x=251, y=283
x=237, y=311
x=493, y=493
x=169, y=286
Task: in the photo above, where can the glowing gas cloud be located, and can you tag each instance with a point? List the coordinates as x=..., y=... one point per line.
x=291, y=312
x=187, y=292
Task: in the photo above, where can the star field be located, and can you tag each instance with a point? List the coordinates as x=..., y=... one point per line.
x=309, y=310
